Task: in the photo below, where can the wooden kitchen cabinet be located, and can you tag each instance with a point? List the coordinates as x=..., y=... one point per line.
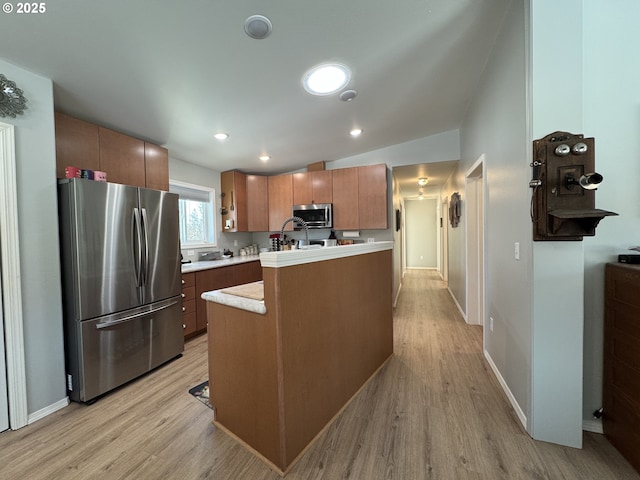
x=122, y=157
x=280, y=201
x=189, y=304
x=257, y=203
x=360, y=198
x=621, y=372
x=221, y=277
x=345, y=199
x=234, y=201
x=125, y=159
x=372, y=197
x=312, y=187
x=156, y=167
x=76, y=144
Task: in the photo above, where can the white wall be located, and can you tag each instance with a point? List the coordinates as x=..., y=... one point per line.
x=496, y=126
x=39, y=251
x=421, y=231
x=611, y=105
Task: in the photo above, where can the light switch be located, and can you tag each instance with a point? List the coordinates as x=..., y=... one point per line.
x=516, y=250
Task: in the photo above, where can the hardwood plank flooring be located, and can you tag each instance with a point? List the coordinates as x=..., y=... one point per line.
x=435, y=411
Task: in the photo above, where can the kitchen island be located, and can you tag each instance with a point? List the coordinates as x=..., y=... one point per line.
x=283, y=367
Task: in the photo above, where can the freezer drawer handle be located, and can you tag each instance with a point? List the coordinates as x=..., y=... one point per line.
x=132, y=317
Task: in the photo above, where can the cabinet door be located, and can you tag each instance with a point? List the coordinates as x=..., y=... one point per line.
x=312, y=187
x=207, y=280
x=122, y=157
x=76, y=144
x=257, y=203
x=280, y=201
x=247, y=272
x=234, y=201
x=345, y=198
x=156, y=165
x=372, y=196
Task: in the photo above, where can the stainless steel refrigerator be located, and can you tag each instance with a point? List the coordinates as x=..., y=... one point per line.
x=120, y=255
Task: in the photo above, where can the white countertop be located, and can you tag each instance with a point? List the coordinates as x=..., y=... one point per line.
x=243, y=303
x=223, y=262
x=288, y=258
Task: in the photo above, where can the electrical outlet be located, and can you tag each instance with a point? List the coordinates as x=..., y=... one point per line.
x=491, y=323
x=191, y=253
x=516, y=250
x=235, y=243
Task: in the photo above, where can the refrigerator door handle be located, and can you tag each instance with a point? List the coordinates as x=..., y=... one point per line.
x=145, y=252
x=128, y=318
x=136, y=232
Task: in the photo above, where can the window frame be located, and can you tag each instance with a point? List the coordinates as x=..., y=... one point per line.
x=210, y=191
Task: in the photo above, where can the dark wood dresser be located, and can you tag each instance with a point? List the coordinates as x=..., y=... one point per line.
x=621, y=386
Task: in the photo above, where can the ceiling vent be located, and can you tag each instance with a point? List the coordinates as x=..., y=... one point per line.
x=258, y=27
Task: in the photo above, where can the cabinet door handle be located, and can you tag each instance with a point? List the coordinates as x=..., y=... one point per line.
x=182, y=282
x=184, y=309
x=182, y=295
x=184, y=326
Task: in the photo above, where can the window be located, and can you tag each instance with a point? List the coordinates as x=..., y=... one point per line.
x=197, y=221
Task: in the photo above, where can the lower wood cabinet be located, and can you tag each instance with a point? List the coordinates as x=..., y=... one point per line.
x=214, y=279
x=621, y=385
x=189, y=303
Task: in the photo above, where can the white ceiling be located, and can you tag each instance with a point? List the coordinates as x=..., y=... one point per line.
x=175, y=72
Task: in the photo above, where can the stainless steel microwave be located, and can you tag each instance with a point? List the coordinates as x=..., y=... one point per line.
x=316, y=215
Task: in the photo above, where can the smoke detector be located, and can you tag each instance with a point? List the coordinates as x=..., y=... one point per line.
x=258, y=27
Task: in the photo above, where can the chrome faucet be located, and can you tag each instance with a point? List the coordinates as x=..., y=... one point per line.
x=300, y=221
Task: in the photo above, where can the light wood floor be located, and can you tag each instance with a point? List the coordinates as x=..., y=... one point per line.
x=435, y=411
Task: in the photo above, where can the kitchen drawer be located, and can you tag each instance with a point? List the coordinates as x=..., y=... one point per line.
x=188, y=293
x=189, y=306
x=188, y=280
x=189, y=323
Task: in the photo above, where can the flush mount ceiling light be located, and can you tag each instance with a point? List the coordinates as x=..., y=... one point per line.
x=264, y=157
x=348, y=95
x=420, y=195
x=423, y=181
x=258, y=27
x=326, y=79
x=221, y=136
x=356, y=132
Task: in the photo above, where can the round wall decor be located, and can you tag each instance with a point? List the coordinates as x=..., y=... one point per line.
x=12, y=101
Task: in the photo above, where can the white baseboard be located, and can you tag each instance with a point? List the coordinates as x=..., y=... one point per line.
x=514, y=403
x=455, y=300
x=593, y=426
x=43, y=412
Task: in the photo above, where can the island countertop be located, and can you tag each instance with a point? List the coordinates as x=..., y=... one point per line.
x=288, y=258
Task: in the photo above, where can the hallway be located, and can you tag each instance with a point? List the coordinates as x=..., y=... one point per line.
x=434, y=411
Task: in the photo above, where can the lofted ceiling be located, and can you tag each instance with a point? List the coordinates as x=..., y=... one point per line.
x=174, y=73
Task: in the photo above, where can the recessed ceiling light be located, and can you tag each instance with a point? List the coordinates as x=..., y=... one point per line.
x=326, y=79
x=264, y=157
x=356, y=132
x=220, y=136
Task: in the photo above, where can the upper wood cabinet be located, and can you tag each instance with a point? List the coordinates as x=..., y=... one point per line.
x=257, y=203
x=125, y=159
x=77, y=144
x=360, y=198
x=312, y=187
x=345, y=199
x=280, y=201
x=234, y=201
x=122, y=157
x=156, y=166
x=372, y=196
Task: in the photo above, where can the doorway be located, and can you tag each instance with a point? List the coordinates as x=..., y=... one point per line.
x=474, y=190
